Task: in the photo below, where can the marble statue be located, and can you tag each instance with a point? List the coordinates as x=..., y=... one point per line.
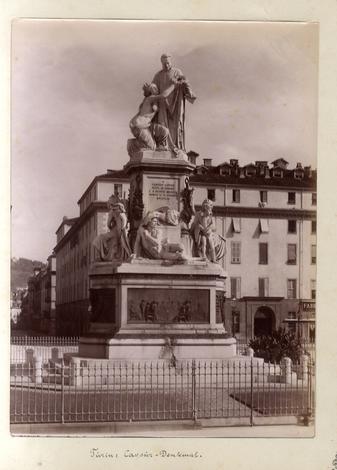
x=148, y=134
x=207, y=243
x=114, y=244
x=150, y=242
x=171, y=112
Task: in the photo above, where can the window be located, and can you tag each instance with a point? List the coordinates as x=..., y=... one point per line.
x=298, y=175
x=263, y=287
x=235, y=287
x=291, y=288
x=292, y=253
x=277, y=173
x=235, y=322
x=291, y=198
x=211, y=194
x=236, y=195
x=313, y=288
x=251, y=171
x=236, y=224
x=292, y=226
x=313, y=226
x=118, y=190
x=264, y=226
x=263, y=253
x=235, y=252
x=225, y=171
x=314, y=199
x=263, y=196
x=313, y=254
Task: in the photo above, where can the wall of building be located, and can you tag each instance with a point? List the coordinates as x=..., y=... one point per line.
x=250, y=197
x=74, y=256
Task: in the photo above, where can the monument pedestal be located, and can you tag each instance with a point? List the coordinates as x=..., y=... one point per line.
x=157, y=308
x=157, y=179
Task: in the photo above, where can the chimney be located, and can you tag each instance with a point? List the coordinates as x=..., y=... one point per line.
x=308, y=171
x=207, y=162
x=299, y=165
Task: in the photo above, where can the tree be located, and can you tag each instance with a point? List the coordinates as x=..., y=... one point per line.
x=278, y=344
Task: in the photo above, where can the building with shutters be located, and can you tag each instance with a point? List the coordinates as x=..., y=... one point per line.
x=267, y=214
x=74, y=251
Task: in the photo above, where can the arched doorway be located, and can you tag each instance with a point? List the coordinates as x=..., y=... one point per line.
x=264, y=321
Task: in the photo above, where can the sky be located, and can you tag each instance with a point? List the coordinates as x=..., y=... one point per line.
x=77, y=83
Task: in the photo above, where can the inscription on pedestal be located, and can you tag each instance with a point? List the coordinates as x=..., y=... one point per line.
x=163, y=192
x=168, y=305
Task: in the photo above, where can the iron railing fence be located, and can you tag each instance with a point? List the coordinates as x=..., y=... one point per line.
x=148, y=391
x=45, y=340
x=23, y=348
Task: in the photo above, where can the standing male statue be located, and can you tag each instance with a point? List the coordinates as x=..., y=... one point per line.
x=171, y=112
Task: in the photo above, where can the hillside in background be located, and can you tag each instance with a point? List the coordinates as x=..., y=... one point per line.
x=21, y=270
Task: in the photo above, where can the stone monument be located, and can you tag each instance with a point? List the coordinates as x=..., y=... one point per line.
x=156, y=279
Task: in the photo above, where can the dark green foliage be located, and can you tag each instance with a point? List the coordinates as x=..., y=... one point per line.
x=280, y=343
x=21, y=270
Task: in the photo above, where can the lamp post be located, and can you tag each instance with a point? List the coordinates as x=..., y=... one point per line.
x=233, y=309
x=298, y=321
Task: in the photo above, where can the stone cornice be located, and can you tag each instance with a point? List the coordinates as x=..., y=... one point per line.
x=263, y=212
x=92, y=208
x=214, y=181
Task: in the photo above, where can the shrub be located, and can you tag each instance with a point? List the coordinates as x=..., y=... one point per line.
x=281, y=343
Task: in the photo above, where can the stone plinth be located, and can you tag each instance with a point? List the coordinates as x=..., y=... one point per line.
x=212, y=345
x=156, y=301
x=159, y=159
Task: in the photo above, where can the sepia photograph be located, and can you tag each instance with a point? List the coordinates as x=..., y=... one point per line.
x=163, y=237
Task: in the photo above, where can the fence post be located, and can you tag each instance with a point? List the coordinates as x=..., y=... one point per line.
x=251, y=391
x=29, y=356
x=62, y=391
x=303, y=369
x=37, y=369
x=308, y=417
x=286, y=369
x=249, y=352
x=194, y=411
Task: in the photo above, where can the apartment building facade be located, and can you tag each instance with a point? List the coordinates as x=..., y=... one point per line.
x=38, y=308
x=74, y=251
x=266, y=213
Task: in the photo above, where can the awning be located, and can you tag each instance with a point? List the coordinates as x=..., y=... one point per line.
x=264, y=226
x=236, y=225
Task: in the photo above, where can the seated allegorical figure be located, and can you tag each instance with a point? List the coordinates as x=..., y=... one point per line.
x=150, y=242
x=114, y=244
x=207, y=243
